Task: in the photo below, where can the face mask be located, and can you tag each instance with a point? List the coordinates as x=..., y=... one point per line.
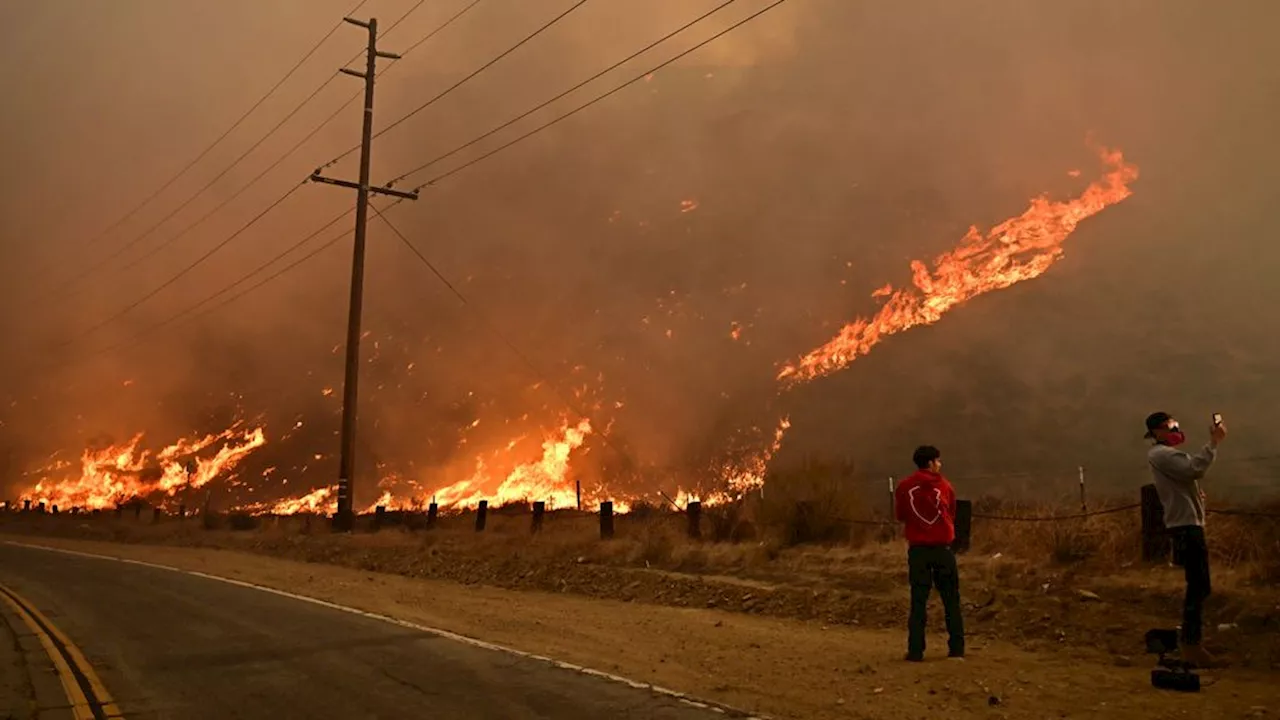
x=1175, y=437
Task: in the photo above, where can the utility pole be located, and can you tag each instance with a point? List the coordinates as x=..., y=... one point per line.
x=344, y=519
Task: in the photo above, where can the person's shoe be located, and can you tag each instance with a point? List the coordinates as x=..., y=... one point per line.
x=915, y=657
x=1196, y=657
x=955, y=655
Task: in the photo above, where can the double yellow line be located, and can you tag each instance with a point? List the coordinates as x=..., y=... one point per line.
x=88, y=696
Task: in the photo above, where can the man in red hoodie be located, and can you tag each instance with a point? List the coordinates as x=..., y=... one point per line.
x=925, y=504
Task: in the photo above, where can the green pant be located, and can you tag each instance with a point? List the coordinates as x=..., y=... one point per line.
x=930, y=567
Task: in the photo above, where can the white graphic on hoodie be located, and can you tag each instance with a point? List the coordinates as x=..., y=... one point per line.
x=937, y=505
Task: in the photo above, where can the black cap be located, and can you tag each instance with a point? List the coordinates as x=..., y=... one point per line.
x=1156, y=420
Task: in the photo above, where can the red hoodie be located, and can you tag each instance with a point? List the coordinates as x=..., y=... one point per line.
x=926, y=505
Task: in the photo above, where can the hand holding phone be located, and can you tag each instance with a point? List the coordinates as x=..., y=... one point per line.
x=1217, y=431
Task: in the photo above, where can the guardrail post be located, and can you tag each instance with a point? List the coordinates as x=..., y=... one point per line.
x=606, y=520
x=964, y=526
x=1155, y=539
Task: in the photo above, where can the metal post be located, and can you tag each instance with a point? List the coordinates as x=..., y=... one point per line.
x=344, y=518
x=539, y=509
x=1084, y=506
x=606, y=520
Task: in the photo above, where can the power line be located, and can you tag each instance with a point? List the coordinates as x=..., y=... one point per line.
x=289, y=153
x=203, y=153
x=493, y=330
x=568, y=92
x=181, y=273
x=461, y=167
x=463, y=81
x=598, y=98
x=234, y=163
x=222, y=244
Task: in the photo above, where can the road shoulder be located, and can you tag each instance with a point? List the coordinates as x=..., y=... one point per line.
x=778, y=667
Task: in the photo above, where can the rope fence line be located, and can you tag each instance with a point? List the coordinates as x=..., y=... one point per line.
x=1076, y=516
x=1054, y=518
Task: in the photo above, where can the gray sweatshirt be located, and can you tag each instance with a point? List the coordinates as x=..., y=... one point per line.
x=1177, y=474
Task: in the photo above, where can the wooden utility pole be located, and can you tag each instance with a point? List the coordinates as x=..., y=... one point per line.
x=344, y=519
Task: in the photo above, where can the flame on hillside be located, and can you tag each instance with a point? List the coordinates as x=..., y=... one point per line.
x=119, y=473
x=1020, y=248
x=546, y=478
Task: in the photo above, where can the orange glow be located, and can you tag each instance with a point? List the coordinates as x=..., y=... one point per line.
x=1020, y=248
x=546, y=478
x=321, y=500
x=119, y=473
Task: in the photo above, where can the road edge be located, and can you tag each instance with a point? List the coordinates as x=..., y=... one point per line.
x=685, y=698
x=87, y=696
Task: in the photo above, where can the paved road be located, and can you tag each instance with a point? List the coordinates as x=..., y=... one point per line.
x=169, y=645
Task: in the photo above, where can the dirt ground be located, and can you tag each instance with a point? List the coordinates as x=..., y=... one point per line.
x=780, y=666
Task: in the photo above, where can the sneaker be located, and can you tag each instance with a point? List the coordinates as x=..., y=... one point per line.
x=1196, y=657
x=915, y=657
x=955, y=656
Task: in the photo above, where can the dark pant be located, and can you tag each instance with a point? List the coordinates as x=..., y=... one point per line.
x=1194, y=553
x=930, y=567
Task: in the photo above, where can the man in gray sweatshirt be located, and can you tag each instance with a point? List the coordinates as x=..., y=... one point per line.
x=1177, y=477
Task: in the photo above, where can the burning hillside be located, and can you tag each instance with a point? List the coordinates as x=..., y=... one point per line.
x=1020, y=248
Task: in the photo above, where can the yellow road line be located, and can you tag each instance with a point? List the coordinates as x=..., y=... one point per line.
x=64, y=659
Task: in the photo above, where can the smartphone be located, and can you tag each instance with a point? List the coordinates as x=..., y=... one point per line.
x=1217, y=419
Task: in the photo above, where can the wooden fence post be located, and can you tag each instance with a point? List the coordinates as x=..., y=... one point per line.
x=379, y=517
x=433, y=512
x=157, y=514
x=55, y=509
x=482, y=513
x=26, y=506
x=606, y=520
x=964, y=526
x=578, y=485
x=137, y=510
x=1084, y=505
x=539, y=508
x=1155, y=539
x=694, y=511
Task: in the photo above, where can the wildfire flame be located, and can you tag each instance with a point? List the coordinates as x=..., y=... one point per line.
x=1020, y=248
x=119, y=473
x=546, y=478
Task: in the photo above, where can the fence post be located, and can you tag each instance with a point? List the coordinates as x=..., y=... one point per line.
x=55, y=509
x=694, y=511
x=606, y=520
x=433, y=511
x=26, y=506
x=157, y=514
x=578, y=485
x=1155, y=539
x=892, y=487
x=482, y=511
x=379, y=517
x=40, y=508
x=539, y=507
x=1084, y=506
x=182, y=512
x=137, y=510
x=964, y=526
